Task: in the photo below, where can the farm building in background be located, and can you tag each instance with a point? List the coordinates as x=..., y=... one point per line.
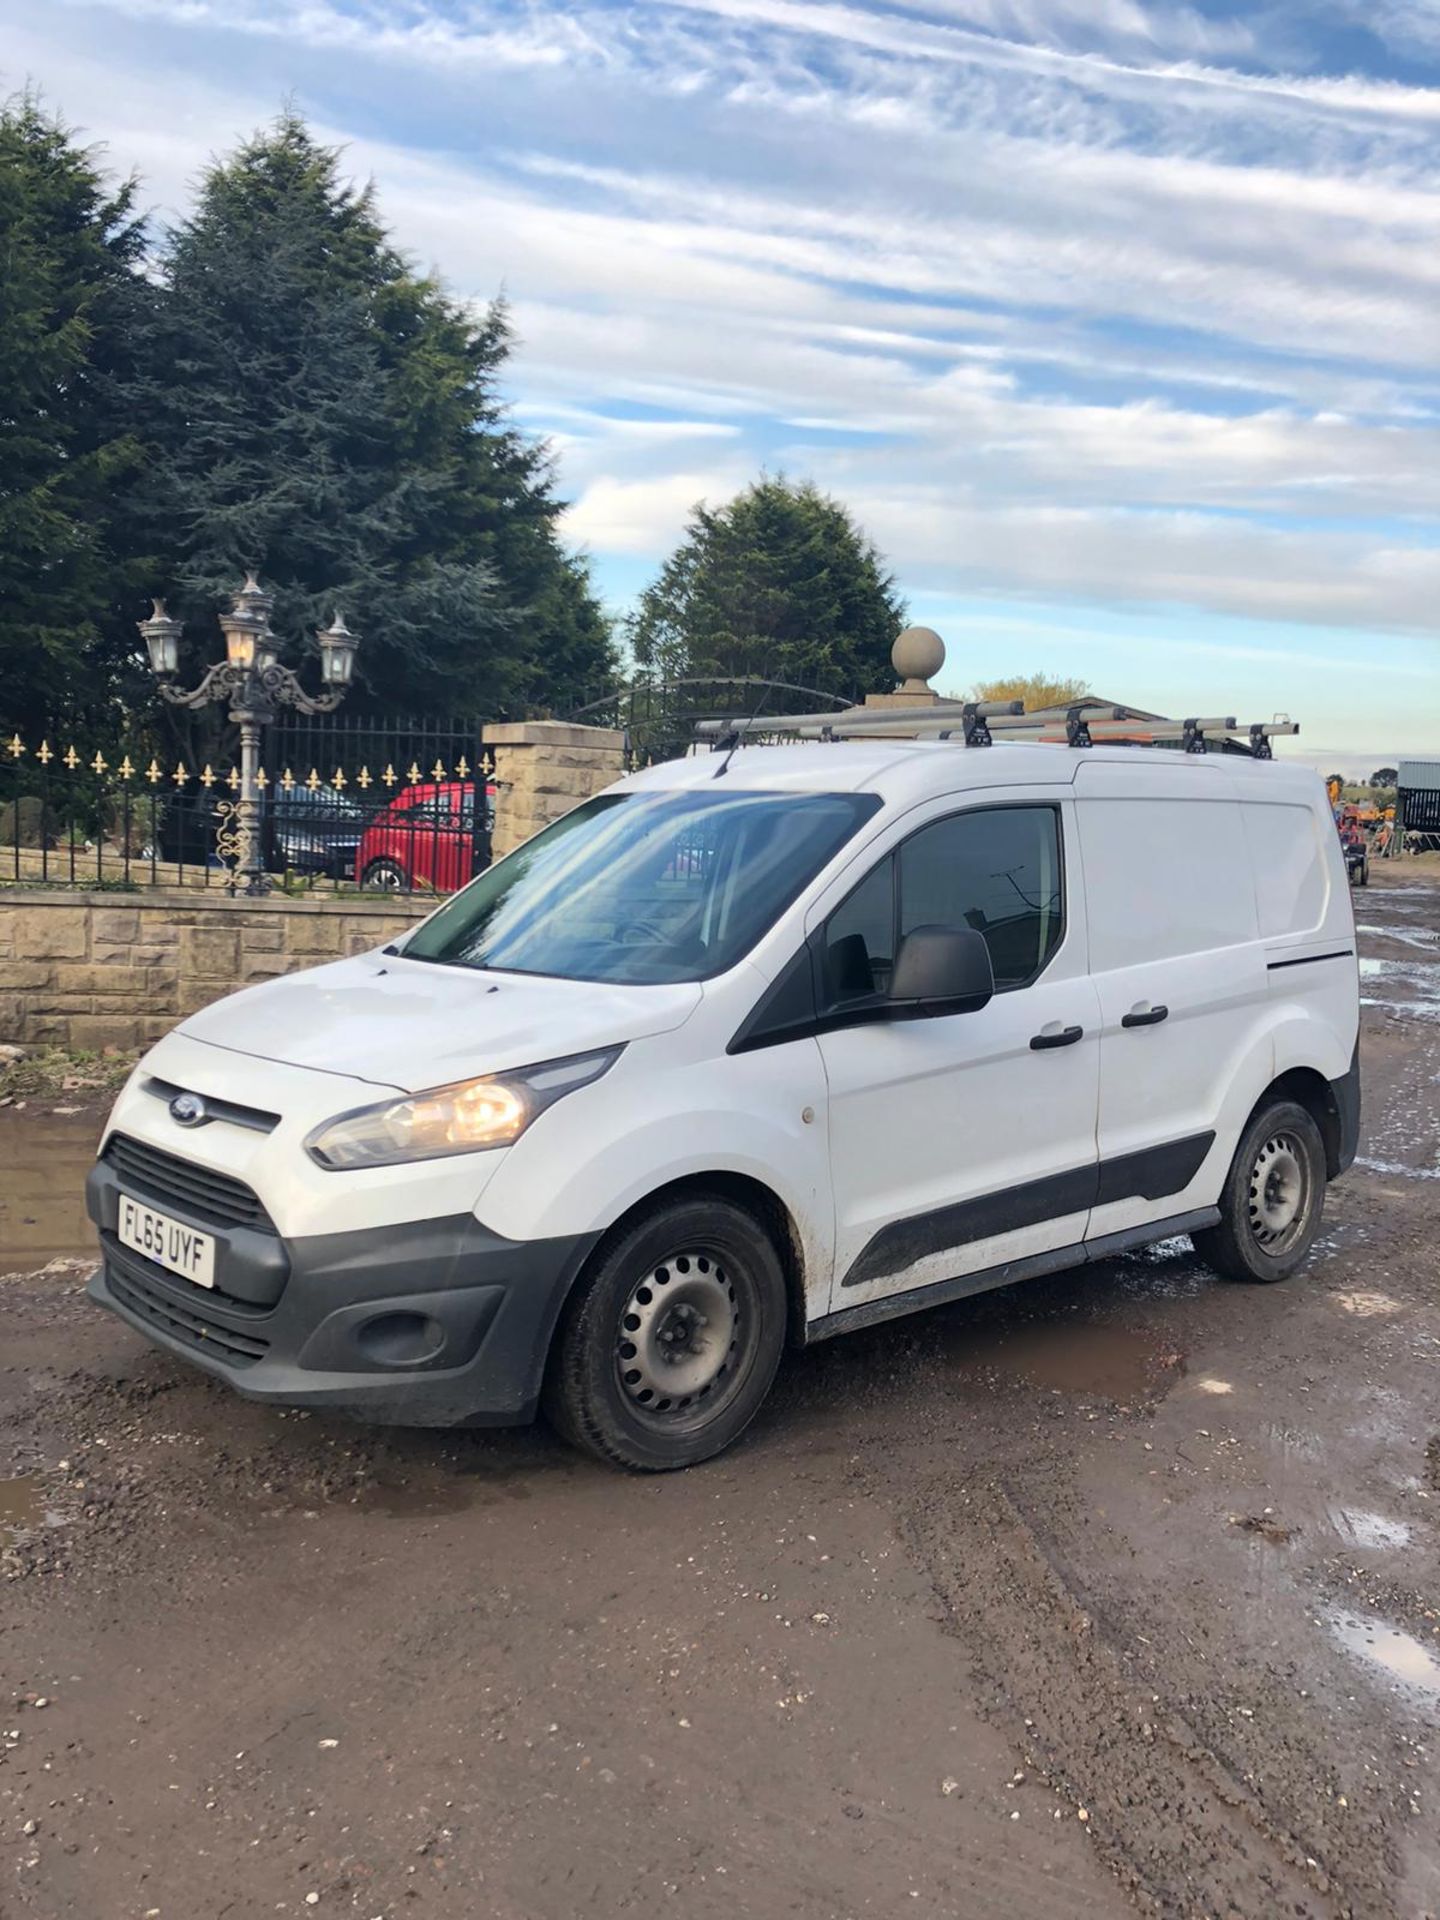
x=1417, y=810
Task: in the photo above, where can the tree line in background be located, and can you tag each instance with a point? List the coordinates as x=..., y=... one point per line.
x=272, y=384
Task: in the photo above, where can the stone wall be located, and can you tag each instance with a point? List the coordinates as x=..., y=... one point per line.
x=92, y=970
x=96, y=969
x=543, y=768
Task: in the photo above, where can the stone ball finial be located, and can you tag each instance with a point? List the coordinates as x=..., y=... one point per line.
x=917, y=656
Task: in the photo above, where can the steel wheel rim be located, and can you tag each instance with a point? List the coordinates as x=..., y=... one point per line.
x=386, y=876
x=1279, y=1193
x=678, y=1342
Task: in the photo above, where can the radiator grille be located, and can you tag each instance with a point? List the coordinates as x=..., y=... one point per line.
x=159, y=1176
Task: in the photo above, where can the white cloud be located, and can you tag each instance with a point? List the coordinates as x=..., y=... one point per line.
x=1155, y=559
x=643, y=516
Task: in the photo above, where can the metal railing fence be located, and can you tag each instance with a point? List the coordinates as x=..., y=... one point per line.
x=347, y=802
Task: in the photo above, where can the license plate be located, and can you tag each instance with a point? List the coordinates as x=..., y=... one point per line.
x=167, y=1242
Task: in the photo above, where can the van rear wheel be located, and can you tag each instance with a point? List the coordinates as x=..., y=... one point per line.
x=1273, y=1198
x=672, y=1338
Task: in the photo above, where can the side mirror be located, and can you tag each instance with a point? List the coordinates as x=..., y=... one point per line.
x=942, y=970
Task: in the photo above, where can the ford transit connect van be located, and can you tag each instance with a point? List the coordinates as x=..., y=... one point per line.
x=751, y=1049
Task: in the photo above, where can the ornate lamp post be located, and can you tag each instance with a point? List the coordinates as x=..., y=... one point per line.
x=254, y=683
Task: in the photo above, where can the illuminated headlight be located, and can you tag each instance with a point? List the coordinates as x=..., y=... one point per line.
x=468, y=1117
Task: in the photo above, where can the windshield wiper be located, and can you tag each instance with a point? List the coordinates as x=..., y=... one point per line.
x=440, y=960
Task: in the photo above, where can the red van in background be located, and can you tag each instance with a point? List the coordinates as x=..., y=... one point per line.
x=425, y=839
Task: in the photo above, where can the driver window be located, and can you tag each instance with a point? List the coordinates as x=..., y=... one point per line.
x=996, y=869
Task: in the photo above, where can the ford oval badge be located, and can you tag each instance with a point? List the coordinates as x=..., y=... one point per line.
x=188, y=1110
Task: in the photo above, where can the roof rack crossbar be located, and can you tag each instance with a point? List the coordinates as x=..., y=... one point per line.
x=977, y=715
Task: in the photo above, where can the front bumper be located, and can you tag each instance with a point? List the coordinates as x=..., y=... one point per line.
x=429, y=1323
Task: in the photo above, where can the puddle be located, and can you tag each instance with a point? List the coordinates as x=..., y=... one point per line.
x=1407, y=936
x=1389, y=1650
x=20, y=1508
x=44, y=1158
x=1117, y=1363
x=1400, y=986
x=1395, y=1168
x=1178, y=1247
x=1364, y=1529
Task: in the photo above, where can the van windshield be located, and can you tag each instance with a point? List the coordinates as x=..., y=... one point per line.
x=642, y=888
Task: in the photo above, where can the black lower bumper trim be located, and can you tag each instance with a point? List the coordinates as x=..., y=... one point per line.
x=1034, y=1266
x=428, y=1323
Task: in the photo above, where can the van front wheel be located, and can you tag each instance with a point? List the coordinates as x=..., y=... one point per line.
x=672, y=1339
x=1273, y=1198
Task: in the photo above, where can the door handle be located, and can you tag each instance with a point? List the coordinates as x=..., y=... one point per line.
x=1145, y=1016
x=1058, y=1037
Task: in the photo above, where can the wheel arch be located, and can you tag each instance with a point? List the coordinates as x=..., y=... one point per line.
x=1309, y=1089
x=752, y=1196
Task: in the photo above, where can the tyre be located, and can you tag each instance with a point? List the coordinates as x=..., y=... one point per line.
x=385, y=876
x=672, y=1337
x=1272, y=1200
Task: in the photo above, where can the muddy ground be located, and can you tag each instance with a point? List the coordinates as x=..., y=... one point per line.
x=1117, y=1592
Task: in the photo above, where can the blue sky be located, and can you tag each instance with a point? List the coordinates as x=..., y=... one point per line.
x=1116, y=323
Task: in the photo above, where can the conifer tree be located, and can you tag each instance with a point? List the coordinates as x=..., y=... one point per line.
x=69, y=302
x=780, y=583
x=328, y=416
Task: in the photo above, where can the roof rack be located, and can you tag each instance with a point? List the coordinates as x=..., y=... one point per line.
x=977, y=723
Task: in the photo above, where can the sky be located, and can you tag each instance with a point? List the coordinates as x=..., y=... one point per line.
x=1116, y=324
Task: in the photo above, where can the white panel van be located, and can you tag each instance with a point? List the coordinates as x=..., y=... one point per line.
x=749, y=1049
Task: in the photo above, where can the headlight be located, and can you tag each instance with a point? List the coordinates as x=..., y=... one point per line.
x=465, y=1118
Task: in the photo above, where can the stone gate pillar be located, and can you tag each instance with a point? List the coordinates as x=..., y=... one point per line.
x=543, y=768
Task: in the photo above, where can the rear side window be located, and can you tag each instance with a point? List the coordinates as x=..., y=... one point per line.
x=1292, y=885
x=1164, y=878
x=994, y=869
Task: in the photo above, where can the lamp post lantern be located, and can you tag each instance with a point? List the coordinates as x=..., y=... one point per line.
x=253, y=681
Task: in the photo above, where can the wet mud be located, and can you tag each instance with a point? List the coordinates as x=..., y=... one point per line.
x=44, y=1157
x=1115, y=1593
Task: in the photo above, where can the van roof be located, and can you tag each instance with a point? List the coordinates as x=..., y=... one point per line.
x=899, y=769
